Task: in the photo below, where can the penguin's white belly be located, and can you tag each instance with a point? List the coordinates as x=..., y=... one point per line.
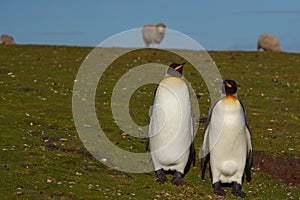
x=227, y=141
x=170, y=128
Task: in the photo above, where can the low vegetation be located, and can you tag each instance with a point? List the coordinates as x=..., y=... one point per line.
x=42, y=156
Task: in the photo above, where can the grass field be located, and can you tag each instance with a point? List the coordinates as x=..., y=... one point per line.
x=42, y=157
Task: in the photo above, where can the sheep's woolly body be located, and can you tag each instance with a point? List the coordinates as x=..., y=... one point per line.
x=268, y=42
x=6, y=39
x=153, y=35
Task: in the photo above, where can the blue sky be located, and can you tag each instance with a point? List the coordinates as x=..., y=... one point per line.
x=216, y=25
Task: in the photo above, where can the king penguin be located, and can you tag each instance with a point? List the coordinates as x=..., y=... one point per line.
x=227, y=142
x=170, y=133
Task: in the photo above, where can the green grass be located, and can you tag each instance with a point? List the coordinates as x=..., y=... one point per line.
x=42, y=157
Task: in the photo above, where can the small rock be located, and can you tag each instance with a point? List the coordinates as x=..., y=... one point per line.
x=19, y=193
x=78, y=173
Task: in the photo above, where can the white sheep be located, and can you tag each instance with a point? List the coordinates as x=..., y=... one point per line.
x=268, y=42
x=153, y=34
x=6, y=39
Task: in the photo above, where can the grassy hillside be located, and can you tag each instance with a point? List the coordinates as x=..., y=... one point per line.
x=42, y=157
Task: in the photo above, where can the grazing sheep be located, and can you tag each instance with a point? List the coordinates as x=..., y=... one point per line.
x=268, y=42
x=153, y=34
x=6, y=39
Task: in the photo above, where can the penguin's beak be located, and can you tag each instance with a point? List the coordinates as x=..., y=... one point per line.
x=179, y=66
x=228, y=85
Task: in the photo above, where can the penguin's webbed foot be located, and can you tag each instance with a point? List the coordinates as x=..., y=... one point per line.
x=237, y=190
x=160, y=176
x=178, y=178
x=218, y=189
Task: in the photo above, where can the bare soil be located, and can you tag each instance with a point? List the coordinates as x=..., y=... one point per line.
x=284, y=167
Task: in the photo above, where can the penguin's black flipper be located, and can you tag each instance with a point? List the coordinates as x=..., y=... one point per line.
x=249, y=160
x=204, y=155
x=191, y=159
x=249, y=166
x=204, y=162
x=147, y=144
x=193, y=154
x=150, y=114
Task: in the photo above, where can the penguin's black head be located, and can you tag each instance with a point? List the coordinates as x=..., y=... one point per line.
x=230, y=86
x=177, y=67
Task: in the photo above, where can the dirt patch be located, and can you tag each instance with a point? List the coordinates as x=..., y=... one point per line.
x=53, y=145
x=285, y=168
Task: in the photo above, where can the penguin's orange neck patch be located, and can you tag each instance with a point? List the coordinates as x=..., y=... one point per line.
x=230, y=97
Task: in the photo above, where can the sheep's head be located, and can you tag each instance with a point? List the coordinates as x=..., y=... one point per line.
x=161, y=29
